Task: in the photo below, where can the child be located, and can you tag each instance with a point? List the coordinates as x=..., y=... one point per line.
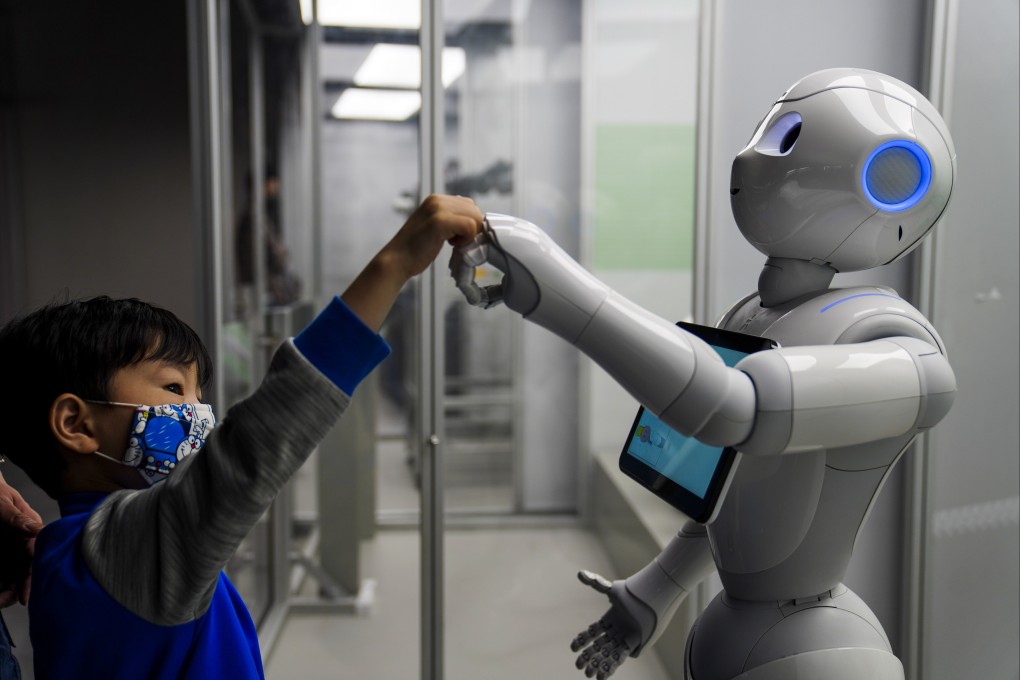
x=102, y=403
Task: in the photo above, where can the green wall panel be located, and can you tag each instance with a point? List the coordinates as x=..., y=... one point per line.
x=644, y=197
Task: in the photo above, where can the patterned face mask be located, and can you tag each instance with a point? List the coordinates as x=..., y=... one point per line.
x=162, y=436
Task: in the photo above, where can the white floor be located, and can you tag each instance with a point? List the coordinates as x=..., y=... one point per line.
x=513, y=603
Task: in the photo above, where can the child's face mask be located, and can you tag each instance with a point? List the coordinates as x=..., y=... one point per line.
x=161, y=437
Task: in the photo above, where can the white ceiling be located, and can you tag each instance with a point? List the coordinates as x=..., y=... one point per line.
x=339, y=62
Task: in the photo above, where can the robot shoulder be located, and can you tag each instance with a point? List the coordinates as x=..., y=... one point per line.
x=852, y=315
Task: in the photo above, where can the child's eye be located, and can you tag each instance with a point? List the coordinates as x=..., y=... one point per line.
x=175, y=388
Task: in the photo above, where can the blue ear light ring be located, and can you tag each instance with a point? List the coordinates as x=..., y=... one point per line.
x=896, y=175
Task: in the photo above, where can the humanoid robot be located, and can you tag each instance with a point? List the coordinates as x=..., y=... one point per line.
x=847, y=171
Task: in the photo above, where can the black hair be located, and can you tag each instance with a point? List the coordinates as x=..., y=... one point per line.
x=77, y=347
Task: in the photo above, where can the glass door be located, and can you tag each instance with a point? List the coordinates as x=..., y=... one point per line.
x=578, y=116
x=266, y=271
x=450, y=500
x=369, y=471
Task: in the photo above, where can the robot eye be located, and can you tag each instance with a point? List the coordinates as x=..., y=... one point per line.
x=789, y=139
x=896, y=175
x=780, y=138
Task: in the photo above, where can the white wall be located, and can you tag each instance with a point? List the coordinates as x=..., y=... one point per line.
x=971, y=620
x=97, y=194
x=103, y=155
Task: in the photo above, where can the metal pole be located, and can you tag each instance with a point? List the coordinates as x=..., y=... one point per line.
x=431, y=356
x=701, y=276
x=702, y=265
x=257, y=195
x=312, y=38
x=207, y=164
x=917, y=548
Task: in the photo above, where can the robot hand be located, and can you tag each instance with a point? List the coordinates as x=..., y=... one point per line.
x=467, y=258
x=622, y=631
x=540, y=281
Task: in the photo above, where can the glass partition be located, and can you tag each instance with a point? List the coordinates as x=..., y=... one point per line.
x=512, y=143
x=530, y=128
x=265, y=266
x=640, y=142
x=364, y=568
x=243, y=273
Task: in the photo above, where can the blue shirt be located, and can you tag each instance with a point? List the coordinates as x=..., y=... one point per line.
x=67, y=600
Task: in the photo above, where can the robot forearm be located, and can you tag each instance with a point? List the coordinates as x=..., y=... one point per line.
x=642, y=606
x=674, y=374
x=664, y=583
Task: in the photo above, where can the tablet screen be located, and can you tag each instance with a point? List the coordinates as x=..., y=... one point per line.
x=683, y=471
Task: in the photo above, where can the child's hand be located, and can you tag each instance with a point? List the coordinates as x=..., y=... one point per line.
x=438, y=220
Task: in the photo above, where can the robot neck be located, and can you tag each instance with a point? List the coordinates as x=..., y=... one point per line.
x=783, y=279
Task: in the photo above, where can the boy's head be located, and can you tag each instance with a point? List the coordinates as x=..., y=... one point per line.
x=58, y=361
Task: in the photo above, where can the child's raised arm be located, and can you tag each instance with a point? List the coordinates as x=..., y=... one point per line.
x=438, y=220
x=166, y=572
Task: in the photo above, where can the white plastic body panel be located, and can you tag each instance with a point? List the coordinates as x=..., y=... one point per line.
x=675, y=375
x=832, y=390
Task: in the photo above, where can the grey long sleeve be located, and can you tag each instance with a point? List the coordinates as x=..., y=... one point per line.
x=159, y=551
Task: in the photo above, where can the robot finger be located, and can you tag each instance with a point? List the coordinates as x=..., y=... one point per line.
x=608, y=646
x=593, y=580
x=464, y=277
x=586, y=636
x=477, y=252
x=584, y=658
x=492, y=296
x=612, y=657
x=602, y=662
x=607, y=668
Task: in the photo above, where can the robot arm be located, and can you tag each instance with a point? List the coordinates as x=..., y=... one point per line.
x=643, y=604
x=674, y=374
x=816, y=397
x=778, y=401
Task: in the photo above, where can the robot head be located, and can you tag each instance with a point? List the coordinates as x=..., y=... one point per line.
x=850, y=169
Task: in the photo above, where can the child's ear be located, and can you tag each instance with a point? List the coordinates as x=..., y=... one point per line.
x=72, y=424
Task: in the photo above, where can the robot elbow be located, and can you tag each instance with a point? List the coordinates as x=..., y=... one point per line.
x=772, y=429
x=733, y=421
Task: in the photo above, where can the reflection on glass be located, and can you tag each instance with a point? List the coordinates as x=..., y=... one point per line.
x=266, y=244
x=515, y=141
x=512, y=144
x=248, y=568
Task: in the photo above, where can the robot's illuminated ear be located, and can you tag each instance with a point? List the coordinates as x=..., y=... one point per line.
x=897, y=175
x=779, y=139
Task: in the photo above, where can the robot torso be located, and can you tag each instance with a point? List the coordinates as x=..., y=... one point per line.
x=788, y=525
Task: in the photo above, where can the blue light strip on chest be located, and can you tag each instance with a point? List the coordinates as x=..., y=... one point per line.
x=859, y=295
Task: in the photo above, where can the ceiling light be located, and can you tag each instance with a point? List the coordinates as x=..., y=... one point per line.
x=400, y=66
x=393, y=105
x=392, y=14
